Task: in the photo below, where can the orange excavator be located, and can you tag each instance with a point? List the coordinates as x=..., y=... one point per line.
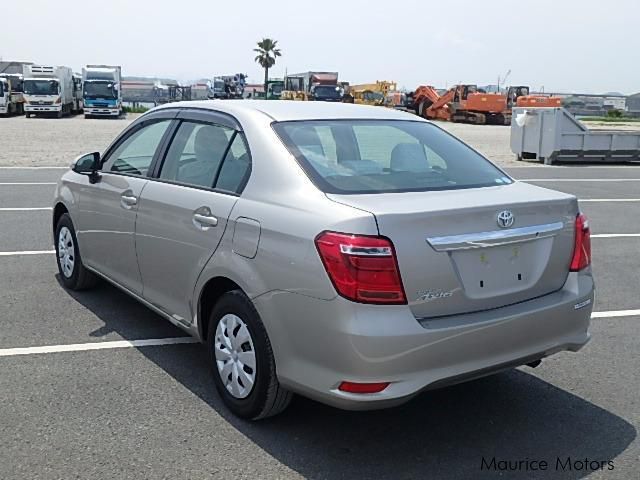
x=468, y=104
x=462, y=103
x=538, y=100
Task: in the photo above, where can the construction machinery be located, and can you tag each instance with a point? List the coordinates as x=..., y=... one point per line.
x=467, y=104
x=318, y=86
x=380, y=93
x=461, y=103
x=538, y=100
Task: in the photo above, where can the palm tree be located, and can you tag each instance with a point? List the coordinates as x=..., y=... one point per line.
x=267, y=52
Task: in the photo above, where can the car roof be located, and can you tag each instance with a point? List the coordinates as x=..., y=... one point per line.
x=286, y=110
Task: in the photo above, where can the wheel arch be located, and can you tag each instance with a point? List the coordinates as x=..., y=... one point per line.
x=59, y=210
x=209, y=295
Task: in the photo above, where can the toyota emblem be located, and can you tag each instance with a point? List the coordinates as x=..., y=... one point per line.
x=505, y=219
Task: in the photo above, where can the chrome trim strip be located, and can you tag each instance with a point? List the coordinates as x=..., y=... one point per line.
x=365, y=251
x=494, y=238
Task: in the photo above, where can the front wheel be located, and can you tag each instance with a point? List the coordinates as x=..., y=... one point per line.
x=240, y=352
x=72, y=272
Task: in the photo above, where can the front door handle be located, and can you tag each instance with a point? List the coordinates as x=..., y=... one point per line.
x=128, y=201
x=205, y=220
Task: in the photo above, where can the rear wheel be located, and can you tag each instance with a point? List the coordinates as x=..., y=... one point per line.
x=72, y=272
x=240, y=352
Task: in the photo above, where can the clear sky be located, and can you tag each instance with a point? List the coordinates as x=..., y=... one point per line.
x=563, y=45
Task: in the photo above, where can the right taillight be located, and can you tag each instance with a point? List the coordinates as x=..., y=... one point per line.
x=582, y=249
x=362, y=268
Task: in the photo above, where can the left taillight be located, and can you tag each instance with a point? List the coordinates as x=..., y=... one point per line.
x=362, y=268
x=582, y=248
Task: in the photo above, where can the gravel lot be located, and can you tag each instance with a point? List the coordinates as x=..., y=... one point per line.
x=37, y=142
x=56, y=142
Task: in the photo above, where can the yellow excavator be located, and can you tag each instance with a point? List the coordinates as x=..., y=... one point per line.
x=380, y=93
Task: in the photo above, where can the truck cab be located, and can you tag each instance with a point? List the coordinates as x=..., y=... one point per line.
x=274, y=89
x=102, y=95
x=101, y=98
x=48, y=90
x=326, y=93
x=42, y=95
x=5, y=96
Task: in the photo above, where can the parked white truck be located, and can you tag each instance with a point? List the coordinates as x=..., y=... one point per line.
x=11, y=96
x=48, y=90
x=102, y=91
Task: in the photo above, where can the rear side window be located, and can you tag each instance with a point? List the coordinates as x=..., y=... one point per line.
x=375, y=156
x=207, y=155
x=196, y=153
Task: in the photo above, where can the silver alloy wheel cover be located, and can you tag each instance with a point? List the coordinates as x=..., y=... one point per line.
x=66, y=252
x=235, y=355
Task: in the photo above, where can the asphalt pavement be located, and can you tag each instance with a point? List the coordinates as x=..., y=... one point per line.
x=152, y=411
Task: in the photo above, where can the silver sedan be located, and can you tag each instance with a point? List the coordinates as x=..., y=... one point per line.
x=355, y=255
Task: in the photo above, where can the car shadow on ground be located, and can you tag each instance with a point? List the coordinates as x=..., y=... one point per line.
x=441, y=434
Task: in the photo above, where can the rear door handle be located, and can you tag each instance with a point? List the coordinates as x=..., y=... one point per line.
x=205, y=220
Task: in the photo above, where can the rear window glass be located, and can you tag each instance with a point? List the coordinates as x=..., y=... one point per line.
x=375, y=156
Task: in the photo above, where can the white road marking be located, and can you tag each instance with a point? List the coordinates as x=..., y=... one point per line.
x=27, y=252
x=616, y=313
x=22, y=184
x=24, y=209
x=33, y=168
x=81, y=347
x=579, y=179
x=615, y=235
x=603, y=200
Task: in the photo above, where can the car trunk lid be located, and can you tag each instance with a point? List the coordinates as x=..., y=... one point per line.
x=455, y=257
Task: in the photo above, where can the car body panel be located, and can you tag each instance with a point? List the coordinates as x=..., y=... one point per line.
x=169, y=237
x=105, y=227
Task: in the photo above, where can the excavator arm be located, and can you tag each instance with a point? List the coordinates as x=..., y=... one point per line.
x=440, y=108
x=424, y=97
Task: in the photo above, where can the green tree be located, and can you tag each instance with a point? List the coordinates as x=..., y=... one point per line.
x=267, y=52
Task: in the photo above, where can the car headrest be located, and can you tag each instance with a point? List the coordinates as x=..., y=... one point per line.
x=210, y=141
x=409, y=157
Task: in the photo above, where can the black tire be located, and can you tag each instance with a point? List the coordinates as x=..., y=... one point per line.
x=267, y=397
x=80, y=278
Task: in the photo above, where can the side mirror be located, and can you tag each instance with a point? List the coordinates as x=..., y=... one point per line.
x=87, y=164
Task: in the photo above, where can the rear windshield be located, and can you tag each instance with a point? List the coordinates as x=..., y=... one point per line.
x=376, y=156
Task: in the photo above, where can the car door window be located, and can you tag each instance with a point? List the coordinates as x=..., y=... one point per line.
x=236, y=166
x=196, y=153
x=134, y=155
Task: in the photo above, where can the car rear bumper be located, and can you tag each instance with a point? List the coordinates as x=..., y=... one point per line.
x=319, y=343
